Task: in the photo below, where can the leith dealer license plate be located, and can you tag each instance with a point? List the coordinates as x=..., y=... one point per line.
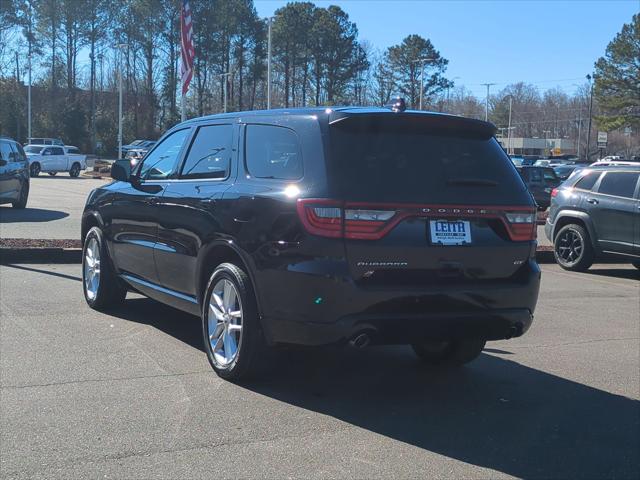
x=450, y=232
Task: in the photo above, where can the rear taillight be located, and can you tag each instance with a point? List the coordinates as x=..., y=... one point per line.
x=521, y=225
x=328, y=218
x=333, y=218
x=554, y=193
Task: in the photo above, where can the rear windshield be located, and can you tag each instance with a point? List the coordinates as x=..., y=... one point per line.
x=383, y=162
x=32, y=149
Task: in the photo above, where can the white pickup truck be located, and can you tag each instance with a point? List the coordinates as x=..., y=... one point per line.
x=53, y=159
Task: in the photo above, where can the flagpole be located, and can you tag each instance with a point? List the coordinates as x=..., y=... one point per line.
x=182, y=115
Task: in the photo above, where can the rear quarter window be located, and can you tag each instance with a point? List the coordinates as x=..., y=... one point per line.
x=587, y=181
x=272, y=152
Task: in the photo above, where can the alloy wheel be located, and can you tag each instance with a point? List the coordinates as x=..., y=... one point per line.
x=224, y=322
x=569, y=246
x=92, y=268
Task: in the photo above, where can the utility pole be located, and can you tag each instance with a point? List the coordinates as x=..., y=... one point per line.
x=588, y=155
x=120, y=48
x=29, y=97
x=486, y=103
x=579, y=130
x=509, y=131
x=18, y=117
x=269, y=22
x=100, y=58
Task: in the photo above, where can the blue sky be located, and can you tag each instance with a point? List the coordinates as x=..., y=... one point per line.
x=547, y=43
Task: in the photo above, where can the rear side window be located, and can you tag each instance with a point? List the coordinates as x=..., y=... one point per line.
x=621, y=184
x=272, y=152
x=536, y=175
x=210, y=153
x=5, y=151
x=588, y=181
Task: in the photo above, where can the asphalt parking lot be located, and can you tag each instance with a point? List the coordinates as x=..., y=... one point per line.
x=84, y=394
x=54, y=209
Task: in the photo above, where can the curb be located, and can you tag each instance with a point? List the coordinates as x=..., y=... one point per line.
x=40, y=255
x=74, y=255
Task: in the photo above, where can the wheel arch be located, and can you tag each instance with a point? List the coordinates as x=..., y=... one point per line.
x=580, y=218
x=213, y=255
x=90, y=220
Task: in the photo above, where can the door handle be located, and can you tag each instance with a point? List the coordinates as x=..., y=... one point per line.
x=152, y=200
x=593, y=201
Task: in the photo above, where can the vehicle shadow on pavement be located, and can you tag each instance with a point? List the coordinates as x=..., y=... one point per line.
x=12, y=215
x=495, y=413
x=180, y=325
x=624, y=273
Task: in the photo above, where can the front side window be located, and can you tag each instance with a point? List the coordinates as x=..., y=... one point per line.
x=620, y=184
x=210, y=153
x=57, y=151
x=161, y=162
x=272, y=152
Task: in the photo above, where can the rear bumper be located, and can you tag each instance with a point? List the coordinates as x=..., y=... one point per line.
x=327, y=312
x=405, y=329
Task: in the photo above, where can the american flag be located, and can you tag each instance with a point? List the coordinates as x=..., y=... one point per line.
x=186, y=46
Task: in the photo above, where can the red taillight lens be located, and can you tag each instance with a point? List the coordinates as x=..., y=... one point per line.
x=328, y=218
x=554, y=193
x=521, y=225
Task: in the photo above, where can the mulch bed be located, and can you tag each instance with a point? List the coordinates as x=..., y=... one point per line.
x=39, y=243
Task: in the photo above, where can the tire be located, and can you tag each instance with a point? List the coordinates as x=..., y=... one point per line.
x=572, y=248
x=34, y=169
x=24, y=196
x=53, y=174
x=75, y=170
x=104, y=290
x=449, y=354
x=234, y=353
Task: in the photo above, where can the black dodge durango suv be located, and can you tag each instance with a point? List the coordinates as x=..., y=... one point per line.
x=321, y=226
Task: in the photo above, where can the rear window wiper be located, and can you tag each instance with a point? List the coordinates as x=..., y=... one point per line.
x=480, y=182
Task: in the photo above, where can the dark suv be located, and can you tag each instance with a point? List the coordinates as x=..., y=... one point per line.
x=540, y=181
x=320, y=226
x=14, y=173
x=596, y=212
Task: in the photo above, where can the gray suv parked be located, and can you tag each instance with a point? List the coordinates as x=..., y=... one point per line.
x=596, y=212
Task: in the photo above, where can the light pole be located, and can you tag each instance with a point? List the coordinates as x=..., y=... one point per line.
x=225, y=80
x=588, y=154
x=422, y=62
x=509, y=128
x=546, y=133
x=120, y=47
x=269, y=22
x=29, y=98
x=486, y=103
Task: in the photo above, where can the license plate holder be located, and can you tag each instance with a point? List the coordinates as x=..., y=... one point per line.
x=450, y=232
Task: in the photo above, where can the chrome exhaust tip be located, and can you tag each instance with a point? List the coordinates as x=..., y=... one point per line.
x=361, y=340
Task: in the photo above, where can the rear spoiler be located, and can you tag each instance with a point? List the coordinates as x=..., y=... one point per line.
x=414, y=122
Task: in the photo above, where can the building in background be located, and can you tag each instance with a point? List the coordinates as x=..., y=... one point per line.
x=538, y=146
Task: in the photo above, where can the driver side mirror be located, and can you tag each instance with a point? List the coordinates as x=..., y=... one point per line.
x=121, y=170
